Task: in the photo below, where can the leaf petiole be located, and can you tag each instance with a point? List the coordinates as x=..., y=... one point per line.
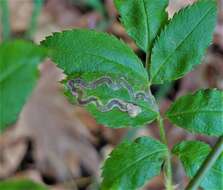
x=167, y=164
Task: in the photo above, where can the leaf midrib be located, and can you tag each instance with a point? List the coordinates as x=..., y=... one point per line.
x=193, y=112
x=15, y=68
x=147, y=25
x=135, y=162
x=179, y=45
x=216, y=170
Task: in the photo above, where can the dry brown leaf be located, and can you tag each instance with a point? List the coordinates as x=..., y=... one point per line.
x=176, y=5
x=12, y=151
x=62, y=143
x=20, y=14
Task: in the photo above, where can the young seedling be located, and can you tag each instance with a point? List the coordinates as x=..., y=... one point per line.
x=105, y=76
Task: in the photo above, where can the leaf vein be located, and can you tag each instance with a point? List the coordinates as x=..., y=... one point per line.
x=147, y=23
x=197, y=111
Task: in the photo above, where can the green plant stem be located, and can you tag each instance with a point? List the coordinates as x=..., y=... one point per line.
x=5, y=19
x=147, y=60
x=168, y=168
x=205, y=167
x=37, y=6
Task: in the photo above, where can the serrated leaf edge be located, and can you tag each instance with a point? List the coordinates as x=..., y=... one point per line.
x=164, y=31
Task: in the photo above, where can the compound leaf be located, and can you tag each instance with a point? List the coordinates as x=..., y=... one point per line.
x=192, y=154
x=18, y=75
x=143, y=19
x=21, y=184
x=105, y=75
x=183, y=42
x=201, y=112
x=131, y=164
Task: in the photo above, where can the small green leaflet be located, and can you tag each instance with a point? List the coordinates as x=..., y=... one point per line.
x=192, y=154
x=143, y=19
x=18, y=75
x=201, y=112
x=21, y=184
x=105, y=75
x=131, y=164
x=82, y=50
x=183, y=42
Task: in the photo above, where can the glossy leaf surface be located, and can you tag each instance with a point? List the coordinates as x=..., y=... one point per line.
x=143, y=19
x=131, y=164
x=201, y=112
x=183, y=42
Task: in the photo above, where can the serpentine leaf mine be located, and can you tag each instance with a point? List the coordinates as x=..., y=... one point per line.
x=77, y=86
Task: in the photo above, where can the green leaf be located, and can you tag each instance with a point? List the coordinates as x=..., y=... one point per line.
x=18, y=75
x=192, y=154
x=20, y=184
x=143, y=19
x=82, y=50
x=131, y=164
x=201, y=112
x=183, y=42
x=93, y=57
